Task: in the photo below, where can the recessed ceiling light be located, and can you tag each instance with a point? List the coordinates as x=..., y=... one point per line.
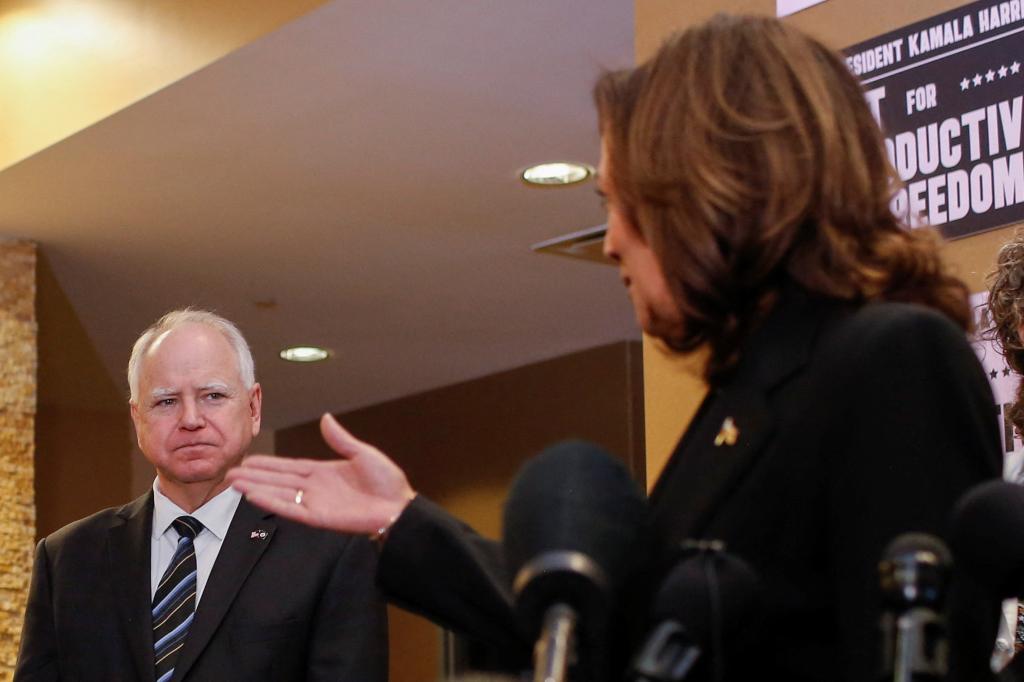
x=557, y=174
x=305, y=354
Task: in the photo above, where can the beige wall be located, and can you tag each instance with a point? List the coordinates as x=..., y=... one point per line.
x=17, y=416
x=461, y=446
x=838, y=22
x=97, y=57
x=672, y=392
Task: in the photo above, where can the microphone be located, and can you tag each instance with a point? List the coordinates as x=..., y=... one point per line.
x=571, y=520
x=706, y=601
x=914, y=573
x=988, y=524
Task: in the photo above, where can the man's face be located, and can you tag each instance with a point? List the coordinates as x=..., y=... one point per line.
x=194, y=418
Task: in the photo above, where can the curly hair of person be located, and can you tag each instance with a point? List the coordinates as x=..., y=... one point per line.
x=1006, y=315
x=747, y=157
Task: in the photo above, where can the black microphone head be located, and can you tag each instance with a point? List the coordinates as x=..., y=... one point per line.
x=705, y=588
x=705, y=617
x=914, y=571
x=571, y=518
x=988, y=528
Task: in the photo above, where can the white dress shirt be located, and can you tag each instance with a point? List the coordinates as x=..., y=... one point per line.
x=215, y=516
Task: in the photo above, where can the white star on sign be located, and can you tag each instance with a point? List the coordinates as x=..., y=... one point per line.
x=1015, y=67
x=1002, y=71
x=964, y=84
x=977, y=79
x=990, y=76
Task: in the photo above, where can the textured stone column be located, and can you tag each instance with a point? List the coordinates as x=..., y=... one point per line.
x=17, y=431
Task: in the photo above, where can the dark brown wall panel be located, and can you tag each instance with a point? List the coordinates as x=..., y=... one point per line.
x=461, y=445
x=83, y=431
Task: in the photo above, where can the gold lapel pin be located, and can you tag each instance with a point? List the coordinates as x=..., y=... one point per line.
x=728, y=434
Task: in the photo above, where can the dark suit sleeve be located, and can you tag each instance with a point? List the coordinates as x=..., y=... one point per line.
x=915, y=429
x=37, y=657
x=437, y=566
x=349, y=634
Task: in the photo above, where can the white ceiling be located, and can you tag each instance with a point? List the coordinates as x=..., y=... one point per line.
x=358, y=167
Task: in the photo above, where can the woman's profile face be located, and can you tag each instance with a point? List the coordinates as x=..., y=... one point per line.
x=656, y=310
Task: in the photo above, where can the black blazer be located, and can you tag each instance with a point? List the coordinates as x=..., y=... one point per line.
x=853, y=425
x=283, y=602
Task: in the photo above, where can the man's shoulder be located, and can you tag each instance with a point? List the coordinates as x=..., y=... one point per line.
x=100, y=522
x=302, y=533
x=318, y=541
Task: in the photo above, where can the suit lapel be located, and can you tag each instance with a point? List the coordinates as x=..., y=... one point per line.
x=703, y=473
x=733, y=427
x=237, y=557
x=128, y=557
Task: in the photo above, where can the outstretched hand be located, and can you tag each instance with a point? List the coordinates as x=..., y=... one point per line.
x=362, y=492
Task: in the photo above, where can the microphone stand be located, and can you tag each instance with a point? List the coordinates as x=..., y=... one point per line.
x=913, y=574
x=553, y=650
x=582, y=588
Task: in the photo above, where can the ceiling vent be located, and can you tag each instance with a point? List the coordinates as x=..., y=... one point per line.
x=584, y=244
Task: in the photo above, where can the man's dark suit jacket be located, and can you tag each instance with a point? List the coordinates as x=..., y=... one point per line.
x=283, y=602
x=854, y=425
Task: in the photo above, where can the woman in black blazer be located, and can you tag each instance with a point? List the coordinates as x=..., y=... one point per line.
x=748, y=195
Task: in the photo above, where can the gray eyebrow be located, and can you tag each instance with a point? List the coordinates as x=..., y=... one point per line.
x=158, y=393
x=216, y=386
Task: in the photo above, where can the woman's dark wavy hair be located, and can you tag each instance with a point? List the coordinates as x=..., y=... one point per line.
x=1005, y=314
x=746, y=155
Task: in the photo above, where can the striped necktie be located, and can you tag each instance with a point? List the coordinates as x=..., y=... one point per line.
x=174, y=604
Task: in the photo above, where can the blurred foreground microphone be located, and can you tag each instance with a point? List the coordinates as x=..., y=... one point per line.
x=914, y=571
x=572, y=521
x=704, y=604
x=988, y=525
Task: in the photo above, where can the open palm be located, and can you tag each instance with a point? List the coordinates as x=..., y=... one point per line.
x=362, y=492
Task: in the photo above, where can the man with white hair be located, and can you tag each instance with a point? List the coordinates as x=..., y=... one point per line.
x=189, y=581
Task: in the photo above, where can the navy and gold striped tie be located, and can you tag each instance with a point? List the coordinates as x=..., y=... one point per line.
x=174, y=604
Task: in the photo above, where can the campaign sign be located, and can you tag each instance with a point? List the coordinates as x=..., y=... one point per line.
x=948, y=93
